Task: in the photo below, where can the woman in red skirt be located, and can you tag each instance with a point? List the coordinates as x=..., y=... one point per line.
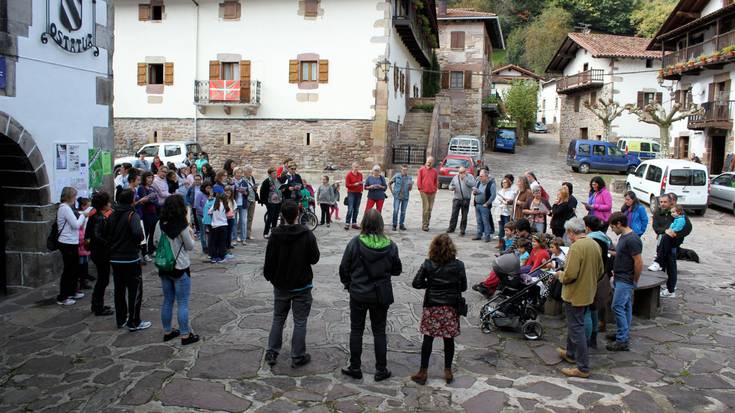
x=443, y=276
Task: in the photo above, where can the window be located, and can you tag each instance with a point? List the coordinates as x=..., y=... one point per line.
x=151, y=12
x=598, y=150
x=171, y=150
x=649, y=63
x=613, y=151
x=311, y=8
x=584, y=149
x=230, y=70
x=584, y=133
x=648, y=98
x=593, y=98
x=149, y=151
x=654, y=173
x=687, y=177
x=576, y=103
x=157, y=12
x=456, y=80
x=656, y=147
x=308, y=138
x=193, y=148
x=457, y=40
x=585, y=67
x=230, y=10
x=155, y=73
x=403, y=83
x=456, y=163
x=645, y=147
x=309, y=71
x=640, y=171
x=723, y=180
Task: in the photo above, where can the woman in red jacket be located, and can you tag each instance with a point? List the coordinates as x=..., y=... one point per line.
x=354, y=182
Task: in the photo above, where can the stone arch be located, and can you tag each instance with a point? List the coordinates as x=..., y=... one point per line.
x=27, y=206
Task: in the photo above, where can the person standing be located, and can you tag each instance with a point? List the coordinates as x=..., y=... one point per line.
x=141, y=163
x=626, y=272
x=202, y=159
x=599, y=203
x=241, y=186
x=100, y=252
x=443, y=277
x=504, y=207
x=461, y=185
x=536, y=210
x=293, y=182
x=68, y=222
x=272, y=196
x=579, y=284
x=124, y=234
x=561, y=211
x=147, y=208
x=635, y=212
x=368, y=263
x=291, y=251
x=160, y=186
x=176, y=284
x=428, y=183
x=252, y=197
x=523, y=195
x=326, y=197
x=376, y=186
x=533, y=183
x=485, y=192
x=400, y=187
x=354, y=183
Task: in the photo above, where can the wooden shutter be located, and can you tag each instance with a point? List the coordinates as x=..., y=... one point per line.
x=712, y=92
x=323, y=71
x=142, y=74
x=641, y=100
x=725, y=94
x=245, y=81
x=231, y=10
x=402, y=83
x=468, y=79
x=214, y=69
x=311, y=8
x=168, y=74
x=144, y=12
x=445, y=80
x=396, y=78
x=457, y=40
x=677, y=96
x=659, y=97
x=293, y=71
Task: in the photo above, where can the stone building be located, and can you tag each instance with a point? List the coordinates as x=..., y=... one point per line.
x=55, y=105
x=323, y=81
x=593, y=66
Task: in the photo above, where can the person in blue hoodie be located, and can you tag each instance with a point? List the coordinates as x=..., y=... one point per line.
x=635, y=212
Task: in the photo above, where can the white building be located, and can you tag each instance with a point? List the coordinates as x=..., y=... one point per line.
x=549, y=104
x=596, y=66
x=324, y=81
x=504, y=76
x=55, y=105
x=698, y=39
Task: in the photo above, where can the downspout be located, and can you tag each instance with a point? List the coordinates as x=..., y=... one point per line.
x=196, y=67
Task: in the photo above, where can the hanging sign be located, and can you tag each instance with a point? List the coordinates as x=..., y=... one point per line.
x=71, y=24
x=2, y=72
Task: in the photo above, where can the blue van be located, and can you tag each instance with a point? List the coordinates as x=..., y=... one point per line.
x=585, y=155
x=505, y=140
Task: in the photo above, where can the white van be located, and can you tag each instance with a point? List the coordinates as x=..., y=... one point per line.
x=466, y=145
x=688, y=180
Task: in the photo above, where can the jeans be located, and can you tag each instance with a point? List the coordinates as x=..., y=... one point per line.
x=202, y=233
x=326, y=216
x=540, y=227
x=484, y=222
x=251, y=214
x=175, y=289
x=103, y=279
x=576, y=338
x=378, y=319
x=399, y=205
x=353, y=207
x=457, y=205
x=128, y=280
x=666, y=258
x=272, y=220
x=70, y=276
x=622, y=306
x=231, y=230
x=378, y=203
x=427, y=204
x=283, y=301
x=241, y=214
x=504, y=219
x=149, y=224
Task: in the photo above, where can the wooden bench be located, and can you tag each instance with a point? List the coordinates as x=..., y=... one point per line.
x=646, y=297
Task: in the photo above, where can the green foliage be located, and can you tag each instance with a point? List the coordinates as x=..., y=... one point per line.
x=515, y=47
x=610, y=16
x=544, y=35
x=431, y=81
x=492, y=99
x=499, y=58
x=648, y=17
x=521, y=104
x=425, y=107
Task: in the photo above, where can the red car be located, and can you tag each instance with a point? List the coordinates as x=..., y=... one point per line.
x=450, y=165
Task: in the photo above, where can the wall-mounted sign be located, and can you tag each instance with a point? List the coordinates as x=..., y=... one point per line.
x=71, y=24
x=2, y=72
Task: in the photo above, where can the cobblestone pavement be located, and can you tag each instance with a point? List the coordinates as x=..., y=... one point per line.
x=64, y=359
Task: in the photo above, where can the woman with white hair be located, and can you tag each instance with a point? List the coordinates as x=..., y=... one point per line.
x=376, y=186
x=68, y=222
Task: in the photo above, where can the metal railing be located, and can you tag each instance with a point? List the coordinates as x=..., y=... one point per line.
x=588, y=77
x=705, y=48
x=229, y=93
x=716, y=112
x=409, y=154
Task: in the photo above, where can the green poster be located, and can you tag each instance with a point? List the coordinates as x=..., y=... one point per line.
x=95, y=169
x=106, y=163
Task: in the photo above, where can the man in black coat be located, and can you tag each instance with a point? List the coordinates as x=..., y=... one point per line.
x=667, y=247
x=291, y=251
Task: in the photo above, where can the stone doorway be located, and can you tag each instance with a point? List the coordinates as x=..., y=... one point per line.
x=683, y=147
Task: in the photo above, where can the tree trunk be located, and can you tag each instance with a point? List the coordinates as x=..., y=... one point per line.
x=521, y=135
x=606, y=131
x=664, y=138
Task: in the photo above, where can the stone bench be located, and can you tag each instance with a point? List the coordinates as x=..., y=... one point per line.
x=646, y=297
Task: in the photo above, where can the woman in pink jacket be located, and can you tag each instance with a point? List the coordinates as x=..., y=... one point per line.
x=599, y=203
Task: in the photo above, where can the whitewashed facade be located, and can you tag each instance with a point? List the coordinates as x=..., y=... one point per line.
x=549, y=104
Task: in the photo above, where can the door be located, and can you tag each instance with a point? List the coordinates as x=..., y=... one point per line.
x=689, y=184
x=683, y=147
x=598, y=160
x=636, y=180
x=616, y=159
x=717, y=155
x=3, y=256
x=651, y=184
x=723, y=191
x=584, y=133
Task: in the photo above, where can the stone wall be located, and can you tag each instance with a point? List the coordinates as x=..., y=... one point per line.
x=261, y=142
x=572, y=122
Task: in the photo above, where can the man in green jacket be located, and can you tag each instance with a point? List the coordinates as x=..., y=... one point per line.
x=579, y=284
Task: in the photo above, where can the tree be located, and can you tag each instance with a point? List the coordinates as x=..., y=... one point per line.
x=609, y=16
x=649, y=16
x=521, y=102
x=607, y=111
x=655, y=114
x=543, y=36
x=515, y=47
x=431, y=81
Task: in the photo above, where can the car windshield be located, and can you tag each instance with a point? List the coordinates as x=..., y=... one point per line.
x=506, y=134
x=456, y=163
x=149, y=151
x=688, y=177
x=193, y=148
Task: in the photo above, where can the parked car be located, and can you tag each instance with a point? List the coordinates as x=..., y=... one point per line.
x=449, y=167
x=688, y=180
x=722, y=192
x=467, y=145
x=168, y=152
x=586, y=155
x=539, y=127
x=643, y=148
x=505, y=140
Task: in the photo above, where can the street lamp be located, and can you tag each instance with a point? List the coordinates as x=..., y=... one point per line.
x=382, y=68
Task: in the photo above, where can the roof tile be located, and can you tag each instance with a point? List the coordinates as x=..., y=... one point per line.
x=466, y=12
x=608, y=45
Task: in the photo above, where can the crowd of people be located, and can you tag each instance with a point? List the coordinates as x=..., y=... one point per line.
x=158, y=212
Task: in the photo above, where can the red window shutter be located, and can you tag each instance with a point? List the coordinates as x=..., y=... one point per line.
x=214, y=69
x=323, y=71
x=168, y=74
x=245, y=80
x=445, y=80
x=293, y=71
x=659, y=97
x=468, y=79
x=641, y=100
x=311, y=8
x=142, y=74
x=144, y=12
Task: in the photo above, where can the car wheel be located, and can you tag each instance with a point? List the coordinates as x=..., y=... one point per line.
x=700, y=212
x=653, y=204
x=584, y=168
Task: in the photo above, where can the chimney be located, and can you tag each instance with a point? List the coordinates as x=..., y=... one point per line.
x=442, y=8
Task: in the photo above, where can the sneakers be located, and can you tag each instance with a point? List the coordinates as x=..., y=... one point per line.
x=666, y=294
x=328, y=224
x=78, y=296
x=354, y=373
x=66, y=302
x=575, y=372
x=142, y=326
x=295, y=363
x=655, y=267
x=229, y=256
x=270, y=358
x=617, y=346
x=563, y=354
x=611, y=336
x=147, y=258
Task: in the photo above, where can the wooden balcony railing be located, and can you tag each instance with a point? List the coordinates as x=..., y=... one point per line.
x=705, y=48
x=717, y=114
x=587, y=79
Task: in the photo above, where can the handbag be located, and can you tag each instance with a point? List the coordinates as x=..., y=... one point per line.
x=462, y=308
x=344, y=201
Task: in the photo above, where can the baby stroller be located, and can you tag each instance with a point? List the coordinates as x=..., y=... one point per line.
x=514, y=305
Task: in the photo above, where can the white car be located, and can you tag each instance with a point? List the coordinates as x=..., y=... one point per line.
x=723, y=191
x=688, y=180
x=168, y=152
x=466, y=145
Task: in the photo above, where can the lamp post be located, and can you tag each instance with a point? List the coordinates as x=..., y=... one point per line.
x=382, y=68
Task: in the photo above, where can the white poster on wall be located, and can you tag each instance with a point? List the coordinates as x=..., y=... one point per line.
x=71, y=168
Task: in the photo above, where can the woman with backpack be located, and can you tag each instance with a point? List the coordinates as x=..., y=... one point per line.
x=174, y=239
x=66, y=236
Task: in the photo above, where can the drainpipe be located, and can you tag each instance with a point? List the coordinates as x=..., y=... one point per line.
x=196, y=67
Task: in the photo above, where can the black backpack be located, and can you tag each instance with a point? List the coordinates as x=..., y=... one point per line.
x=52, y=241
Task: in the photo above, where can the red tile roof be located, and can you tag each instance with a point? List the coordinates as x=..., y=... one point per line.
x=519, y=69
x=466, y=12
x=608, y=45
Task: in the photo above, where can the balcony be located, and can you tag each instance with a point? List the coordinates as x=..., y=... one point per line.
x=492, y=104
x=227, y=94
x=408, y=23
x=588, y=79
x=710, y=54
x=716, y=115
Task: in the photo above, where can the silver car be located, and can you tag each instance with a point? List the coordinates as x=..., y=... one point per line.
x=723, y=191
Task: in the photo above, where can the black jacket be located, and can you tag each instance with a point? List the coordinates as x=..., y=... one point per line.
x=95, y=234
x=291, y=251
x=361, y=266
x=560, y=214
x=290, y=180
x=444, y=284
x=662, y=219
x=124, y=234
